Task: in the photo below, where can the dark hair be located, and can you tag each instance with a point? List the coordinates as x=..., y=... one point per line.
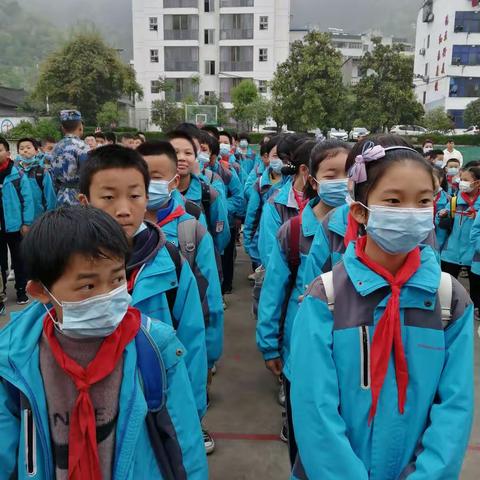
x=59, y=234
x=127, y=136
x=139, y=137
x=293, y=156
x=456, y=160
x=244, y=136
x=376, y=169
x=28, y=139
x=185, y=136
x=205, y=139
x=71, y=125
x=189, y=128
x=427, y=141
x=89, y=135
x=286, y=145
x=473, y=163
x=108, y=157
x=214, y=146
x=110, y=137
x=46, y=140
x=267, y=147
x=213, y=130
x=439, y=173
x=475, y=171
x=4, y=142
x=433, y=154
x=225, y=134
x=100, y=135
x=148, y=149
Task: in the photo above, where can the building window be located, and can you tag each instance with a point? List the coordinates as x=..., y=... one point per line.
x=440, y=38
x=209, y=94
x=154, y=56
x=424, y=98
x=155, y=86
x=467, y=87
x=457, y=117
x=263, y=54
x=438, y=71
x=443, y=69
x=180, y=27
x=236, y=3
x=209, y=67
x=436, y=86
x=445, y=37
x=180, y=3
x=426, y=69
x=466, y=55
x=238, y=26
x=209, y=6
x=263, y=23
x=236, y=59
x=263, y=86
x=209, y=36
x=181, y=59
x=444, y=52
x=439, y=56
x=153, y=22
x=428, y=41
x=181, y=89
x=467, y=22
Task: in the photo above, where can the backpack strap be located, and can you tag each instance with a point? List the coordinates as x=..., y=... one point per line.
x=193, y=209
x=206, y=199
x=187, y=239
x=327, y=279
x=294, y=247
x=151, y=367
x=445, y=292
x=172, y=293
x=453, y=206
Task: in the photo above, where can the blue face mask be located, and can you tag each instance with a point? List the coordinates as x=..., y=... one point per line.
x=399, y=230
x=333, y=192
x=243, y=144
x=203, y=159
x=158, y=193
x=452, y=171
x=276, y=164
x=438, y=163
x=224, y=149
x=96, y=317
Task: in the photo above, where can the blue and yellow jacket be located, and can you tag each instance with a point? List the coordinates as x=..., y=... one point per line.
x=134, y=457
x=330, y=391
x=204, y=268
x=475, y=241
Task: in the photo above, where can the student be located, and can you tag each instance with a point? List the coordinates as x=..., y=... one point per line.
x=116, y=180
x=227, y=153
x=208, y=148
x=16, y=216
x=458, y=251
x=245, y=155
x=166, y=208
x=30, y=164
x=47, y=144
x=193, y=188
x=137, y=141
x=435, y=157
x=70, y=366
x=111, y=138
x=441, y=204
x=100, y=139
x=390, y=339
x=288, y=201
x=475, y=270
x=127, y=140
x=451, y=152
x=261, y=163
x=452, y=169
x=91, y=141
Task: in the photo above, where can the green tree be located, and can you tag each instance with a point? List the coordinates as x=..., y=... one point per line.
x=109, y=115
x=438, y=120
x=40, y=129
x=259, y=110
x=166, y=114
x=384, y=94
x=87, y=73
x=472, y=113
x=307, y=88
x=244, y=96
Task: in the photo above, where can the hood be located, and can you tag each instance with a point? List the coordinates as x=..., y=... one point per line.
x=146, y=246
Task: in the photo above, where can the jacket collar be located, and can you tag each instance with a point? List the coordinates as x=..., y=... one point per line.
x=285, y=194
x=337, y=220
x=194, y=192
x=310, y=221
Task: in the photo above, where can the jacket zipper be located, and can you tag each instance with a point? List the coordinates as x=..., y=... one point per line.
x=30, y=442
x=365, y=357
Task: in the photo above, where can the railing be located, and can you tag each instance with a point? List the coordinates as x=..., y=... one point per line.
x=180, y=34
x=237, y=34
x=236, y=66
x=179, y=96
x=180, y=3
x=181, y=66
x=236, y=3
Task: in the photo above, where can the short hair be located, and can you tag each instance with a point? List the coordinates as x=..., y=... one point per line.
x=214, y=146
x=267, y=147
x=188, y=128
x=139, y=137
x=148, y=149
x=3, y=141
x=184, y=135
x=108, y=157
x=206, y=139
x=111, y=137
x=427, y=141
x=47, y=139
x=244, y=136
x=456, y=160
x=28, y=139
x=89, y=135
x=211, y=129
x=100, y=135
x=434, y=153
x=226, y=134
x=59, y=234
x=71, y=125
x=127, y=136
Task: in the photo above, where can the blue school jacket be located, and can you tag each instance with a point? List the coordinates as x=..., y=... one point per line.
x=208, y=282
x=458, y=248
x=280, y=207
x=218, y=224
x=475, y=241
x=278, y=288
x=247, y=162
x=253, y=176
x=214, y=180
x=442, y=234
x=133, y=457
x=330, y=392
x=261, y=192
x=17, y=200
x=149, y=296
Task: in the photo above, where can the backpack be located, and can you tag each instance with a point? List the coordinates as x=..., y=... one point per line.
x=206, y=197
x=152, y=374
x=193, y=209
x=444, y=294
x=172, y=293
x=187, y=240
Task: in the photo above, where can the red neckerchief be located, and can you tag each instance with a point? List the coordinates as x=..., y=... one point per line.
x=225, y=161
x=352, y=230
x=301, y=200
x=178, y=212
x=471, y=204
x=132, y=279
x=83, y=461
x=388, y=333
x=5, y=164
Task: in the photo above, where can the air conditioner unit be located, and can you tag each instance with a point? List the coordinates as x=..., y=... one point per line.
x=458, y=28
x=422, y=51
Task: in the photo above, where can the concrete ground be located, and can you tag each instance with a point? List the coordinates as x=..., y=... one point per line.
x=244, y=415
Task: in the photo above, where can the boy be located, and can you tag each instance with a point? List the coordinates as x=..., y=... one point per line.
x=166, y=208
x=30, y=164
x=101, y=139
x=16, y=216
x=193, y=188
x=111, y=138
x=91, y=141
x=47, y=144
x=127, y=140
x=116, y=180
x=72, y=384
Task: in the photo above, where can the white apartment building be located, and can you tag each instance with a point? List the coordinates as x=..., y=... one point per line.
x=205, y=46
x=353, y=47
x=447, y=56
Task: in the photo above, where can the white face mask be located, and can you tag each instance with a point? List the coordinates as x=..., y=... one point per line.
x=464, y=186
x=95, y=317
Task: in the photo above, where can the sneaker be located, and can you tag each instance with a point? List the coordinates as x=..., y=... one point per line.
x=228, y=291
x=281, y=395
x=22, y=298
x=3, y=309
x=208, y=441
x=11, y=276
x=284, y=431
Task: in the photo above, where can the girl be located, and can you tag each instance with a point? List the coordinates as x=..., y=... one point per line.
x=382, y=381
x=458, y=251
x=441, y=203
x=288, y=201
x=452, y=169
x=327, y=188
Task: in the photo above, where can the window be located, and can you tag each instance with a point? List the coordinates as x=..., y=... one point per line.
x=180, y=27
x=209, y=6
x=443, y=68
x=236, y=26
x=427, y=14
x=426, y=69
x=262, y=86
x=437, y=71
x=153, y=22
x=236, y=59
x=155, y=86
x=428, y=41
x=424, y=98
x=467, y=87
x=226, y=86
x=467, y=22
x=181, y=59
x=263, y=23
x=209, y=94
x=154, y=56
x=181, y=89
x=209, y=67
x=457, y=117
x=445, y=37
x=263, y=54
x=466, y=55
x=236, y=3
x=180, y=3
x=440, y=39
x=209, y=36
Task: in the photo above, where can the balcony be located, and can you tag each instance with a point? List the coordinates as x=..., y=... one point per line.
x=180, y=3
x=236, y=3
x=180, y=34
x=245, y=66
x=237, y=34
x=181, y=66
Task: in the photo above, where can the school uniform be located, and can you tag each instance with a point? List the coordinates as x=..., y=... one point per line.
x=247, y=162
x=201, y=258
x=442, y=201
x=475, y=241
x=253, y=176
x=332, y=379
x=28, y=427
x=152, y=274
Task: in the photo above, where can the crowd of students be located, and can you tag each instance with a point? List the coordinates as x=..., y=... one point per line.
x=128, y=251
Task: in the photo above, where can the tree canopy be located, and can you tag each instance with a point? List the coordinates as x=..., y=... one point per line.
x=437, y=120
x=471, y=115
